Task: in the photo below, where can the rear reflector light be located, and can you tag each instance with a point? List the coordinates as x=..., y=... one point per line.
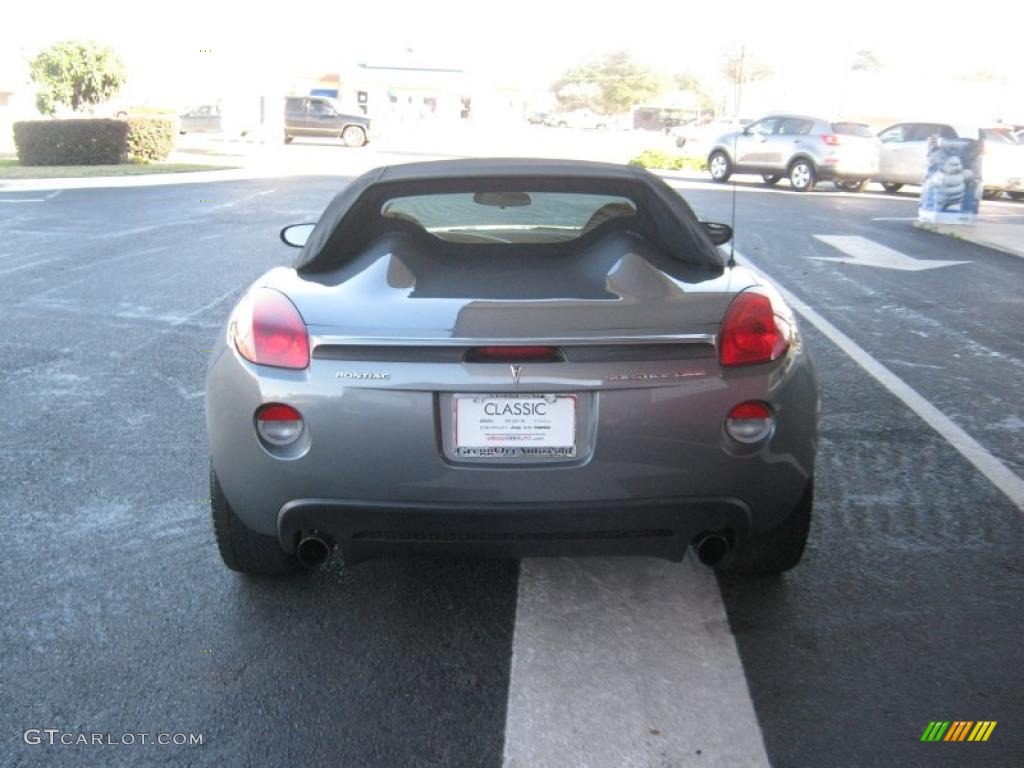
x=513, y=355
x=752, y=332
x=749, y=422
x=267, y=329
x=831, y=139
x=278, y=424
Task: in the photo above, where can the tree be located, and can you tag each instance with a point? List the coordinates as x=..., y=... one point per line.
x=76, y=74
x=742, y=67
x=739, y=68
x=610, y=84
x=690, y=83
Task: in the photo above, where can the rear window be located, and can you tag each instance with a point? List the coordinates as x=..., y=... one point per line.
x=508, y=217
x=852, y=129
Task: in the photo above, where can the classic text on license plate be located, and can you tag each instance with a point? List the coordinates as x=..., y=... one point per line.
x=515, y=425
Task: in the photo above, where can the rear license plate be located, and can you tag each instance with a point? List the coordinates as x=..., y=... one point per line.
x=510, y=426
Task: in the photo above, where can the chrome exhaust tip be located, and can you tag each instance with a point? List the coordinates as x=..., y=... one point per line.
x=711, y=548
x=314, y=550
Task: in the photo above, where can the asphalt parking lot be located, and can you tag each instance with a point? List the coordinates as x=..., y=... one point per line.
x=120, y=618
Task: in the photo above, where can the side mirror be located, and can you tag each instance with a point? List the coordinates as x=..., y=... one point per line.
x=720, y=234
x=296, y=235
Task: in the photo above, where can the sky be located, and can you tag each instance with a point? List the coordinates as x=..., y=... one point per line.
x=528, y=41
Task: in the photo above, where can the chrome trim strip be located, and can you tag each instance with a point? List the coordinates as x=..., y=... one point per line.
x=448, y=341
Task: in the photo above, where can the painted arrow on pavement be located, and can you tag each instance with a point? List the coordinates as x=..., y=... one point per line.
x=868, y=253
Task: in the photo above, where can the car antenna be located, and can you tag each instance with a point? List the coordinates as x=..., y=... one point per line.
x=736, y=111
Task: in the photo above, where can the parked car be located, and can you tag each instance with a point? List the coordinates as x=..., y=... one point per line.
x=206, y=118
x=803, y=149
x=231, y=117
x=905, y=155
x=509, y=358
x=538, y=118
x=322, y=116
x=695, y=133
x=580, y=118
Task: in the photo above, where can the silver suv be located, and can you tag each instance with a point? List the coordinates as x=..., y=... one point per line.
x=805, y=150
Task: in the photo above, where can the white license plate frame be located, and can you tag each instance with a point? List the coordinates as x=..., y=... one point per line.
x=534, y=425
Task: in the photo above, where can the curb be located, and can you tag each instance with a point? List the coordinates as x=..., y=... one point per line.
x=969, y=233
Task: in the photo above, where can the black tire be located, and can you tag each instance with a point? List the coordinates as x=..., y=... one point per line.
x=770, y=178
x=680, y=141
x=719, y=166
x=991, y=194
x=775, y=551
x=802, y=175
x=891, y=187
x=852, y=185
x=241, y=548
x=288, y=139
x=1016, y=195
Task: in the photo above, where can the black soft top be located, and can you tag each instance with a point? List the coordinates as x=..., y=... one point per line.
x=353, y=218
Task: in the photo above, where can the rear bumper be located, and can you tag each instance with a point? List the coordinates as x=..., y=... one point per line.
x=842, y=168
x=654, y=527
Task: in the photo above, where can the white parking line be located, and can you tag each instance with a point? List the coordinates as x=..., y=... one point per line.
x=29, y=265
x=626, y=662
x=998, y=473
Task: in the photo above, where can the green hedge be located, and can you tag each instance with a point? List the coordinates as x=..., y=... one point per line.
x=71, y=142
x=656, y=158
x=150, y=138
x=93, y=142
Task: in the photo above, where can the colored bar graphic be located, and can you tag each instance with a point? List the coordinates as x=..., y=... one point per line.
x=958, y=730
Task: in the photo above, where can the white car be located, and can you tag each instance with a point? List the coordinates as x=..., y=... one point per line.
x=695, y=135
x=905, y=148
x=580, y=118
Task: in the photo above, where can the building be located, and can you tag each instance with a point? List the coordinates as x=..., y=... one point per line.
x=406, y=88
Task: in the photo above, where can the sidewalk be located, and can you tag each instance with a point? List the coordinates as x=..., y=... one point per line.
x=995, y=232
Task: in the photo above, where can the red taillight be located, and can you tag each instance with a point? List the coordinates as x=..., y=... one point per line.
x=831, y=139
x=278, y=412
x=513, y=355
x=750, y=410
x=751, y=332
x=278, y=424
x=267, y=329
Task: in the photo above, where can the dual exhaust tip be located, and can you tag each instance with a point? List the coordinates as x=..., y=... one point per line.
x=314, y=550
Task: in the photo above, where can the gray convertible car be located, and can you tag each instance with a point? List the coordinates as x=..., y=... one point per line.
x=510, y=358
